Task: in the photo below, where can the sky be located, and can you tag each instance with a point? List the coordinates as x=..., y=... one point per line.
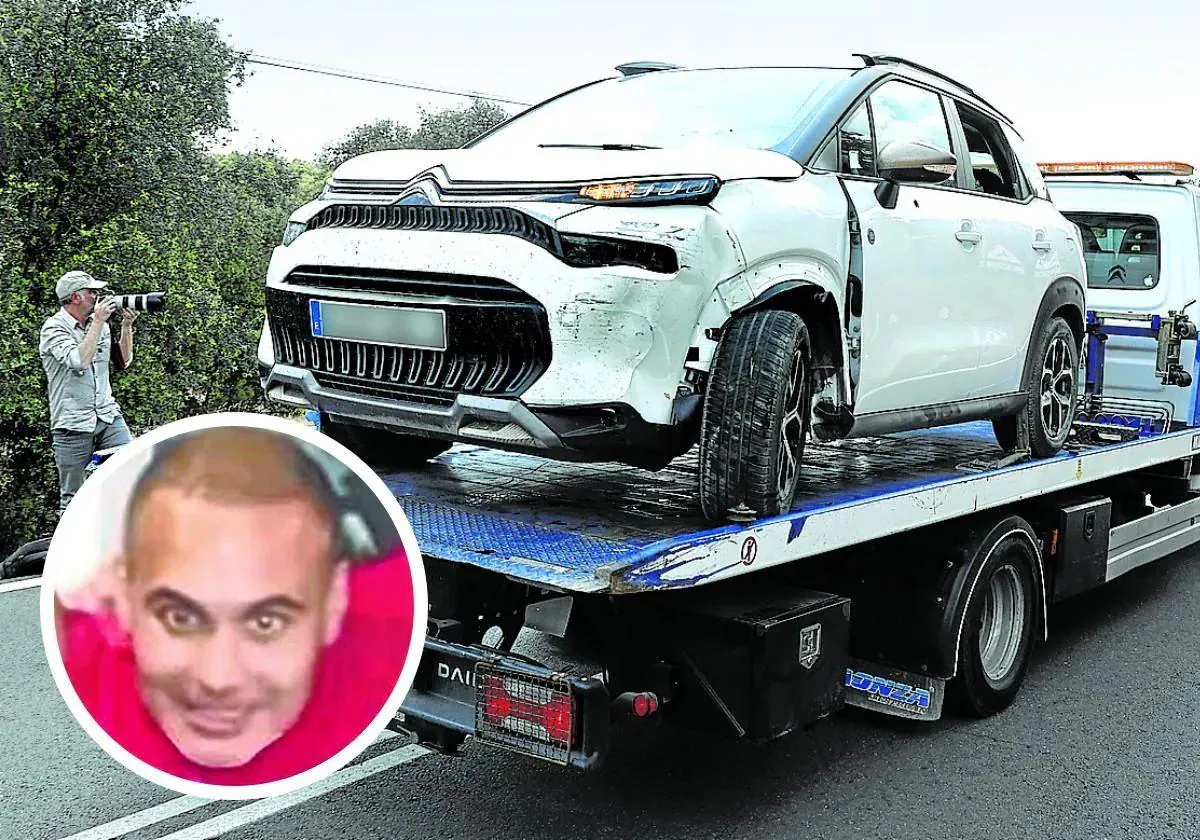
x=1102, y=80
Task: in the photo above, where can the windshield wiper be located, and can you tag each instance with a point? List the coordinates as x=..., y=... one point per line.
x=608, y=147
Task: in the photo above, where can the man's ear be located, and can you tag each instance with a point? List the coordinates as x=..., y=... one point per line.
x=338, y=601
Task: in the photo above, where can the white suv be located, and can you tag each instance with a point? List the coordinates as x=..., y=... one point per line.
x=729, y=257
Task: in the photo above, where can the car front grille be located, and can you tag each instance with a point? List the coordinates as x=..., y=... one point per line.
x=498, y=338
x=498, y=220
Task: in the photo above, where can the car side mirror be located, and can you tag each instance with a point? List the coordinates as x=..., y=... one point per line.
x=912, y=162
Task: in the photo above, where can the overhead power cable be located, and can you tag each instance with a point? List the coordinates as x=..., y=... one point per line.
x=268, y=61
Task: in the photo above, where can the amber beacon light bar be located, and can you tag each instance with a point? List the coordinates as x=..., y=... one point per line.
x=1141, y=167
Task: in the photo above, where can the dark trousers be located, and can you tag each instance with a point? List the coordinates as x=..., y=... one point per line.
x=73, y=452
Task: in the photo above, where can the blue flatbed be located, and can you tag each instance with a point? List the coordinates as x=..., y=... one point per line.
x=595, y=528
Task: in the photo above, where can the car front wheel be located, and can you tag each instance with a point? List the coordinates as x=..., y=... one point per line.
x=756, y=416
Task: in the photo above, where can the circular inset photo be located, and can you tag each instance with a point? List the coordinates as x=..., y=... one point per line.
x=233, y=606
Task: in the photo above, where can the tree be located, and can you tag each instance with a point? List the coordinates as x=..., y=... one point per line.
x=446, y=128
x=105, y=107
x=101, y=101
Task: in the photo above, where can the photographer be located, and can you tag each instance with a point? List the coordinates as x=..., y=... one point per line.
x=76, y=347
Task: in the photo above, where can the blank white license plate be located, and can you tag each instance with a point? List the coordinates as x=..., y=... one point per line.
x=394, y=325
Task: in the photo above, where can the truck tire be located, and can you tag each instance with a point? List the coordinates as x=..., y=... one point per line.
x=1050, y=381
x=382, y=449
x=29, y=559
x=999, y=621
x=756, y=416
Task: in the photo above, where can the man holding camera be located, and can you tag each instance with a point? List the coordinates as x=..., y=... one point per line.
x=76, y=349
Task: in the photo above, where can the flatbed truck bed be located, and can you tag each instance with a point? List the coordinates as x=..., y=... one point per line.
x=878, y=589
x=598, y=528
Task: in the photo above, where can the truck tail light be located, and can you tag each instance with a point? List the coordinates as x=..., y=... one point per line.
x=532, y=715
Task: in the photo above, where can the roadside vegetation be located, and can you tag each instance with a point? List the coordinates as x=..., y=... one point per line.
x=112, y=114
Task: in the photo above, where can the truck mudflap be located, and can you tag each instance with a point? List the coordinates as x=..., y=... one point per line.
x=880, y=688
x=463, y=691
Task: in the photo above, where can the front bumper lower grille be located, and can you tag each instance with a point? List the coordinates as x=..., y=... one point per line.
x=498, y=345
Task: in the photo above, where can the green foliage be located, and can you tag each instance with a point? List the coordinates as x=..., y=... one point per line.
x=448, y=128
x=108, y=113
x=104, y=105
x=206, y=243
x=100, y=102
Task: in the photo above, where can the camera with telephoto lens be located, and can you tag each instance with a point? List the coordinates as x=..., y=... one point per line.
x=148, y=302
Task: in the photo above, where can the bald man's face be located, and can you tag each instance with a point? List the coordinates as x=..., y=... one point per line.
x=229, y=608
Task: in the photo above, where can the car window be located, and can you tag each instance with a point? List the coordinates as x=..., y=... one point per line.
x=851, y=149
x=1121, y=251
x=994, y=168
x=857, y=146
x=1027, y=163
x=907, y=113
x=755, y=108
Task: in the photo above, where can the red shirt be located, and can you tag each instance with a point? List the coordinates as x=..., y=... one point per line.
x=354, y=679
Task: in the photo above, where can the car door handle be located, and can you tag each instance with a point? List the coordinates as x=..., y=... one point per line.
x=968, y=236
x=1042, y=245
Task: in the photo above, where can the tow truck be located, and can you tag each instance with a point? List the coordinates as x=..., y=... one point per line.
x=914, y=573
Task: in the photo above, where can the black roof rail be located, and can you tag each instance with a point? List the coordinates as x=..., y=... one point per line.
x=874, y=59
x=636, y=68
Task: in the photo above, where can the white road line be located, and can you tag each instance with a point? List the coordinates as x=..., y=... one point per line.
x=136, y=822
x=14, y=585
x=262, y=808
x=167, y=810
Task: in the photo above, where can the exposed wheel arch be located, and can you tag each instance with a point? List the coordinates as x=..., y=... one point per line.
x=819, y=310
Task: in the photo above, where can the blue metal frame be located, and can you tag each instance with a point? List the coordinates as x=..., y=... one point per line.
x=1098, y=333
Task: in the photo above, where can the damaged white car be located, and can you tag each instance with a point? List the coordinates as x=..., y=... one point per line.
x=734, y=258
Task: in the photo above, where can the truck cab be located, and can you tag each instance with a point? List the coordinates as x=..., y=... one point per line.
x=1140, y=228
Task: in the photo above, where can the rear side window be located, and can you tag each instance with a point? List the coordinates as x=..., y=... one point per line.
x=1121, y=250
x=1029, y=167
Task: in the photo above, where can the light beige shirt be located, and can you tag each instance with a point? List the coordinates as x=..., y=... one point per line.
x=79, y=394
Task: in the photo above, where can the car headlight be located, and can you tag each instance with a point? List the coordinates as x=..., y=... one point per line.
x=664, y=191
x=293, y=230
x=690, y=190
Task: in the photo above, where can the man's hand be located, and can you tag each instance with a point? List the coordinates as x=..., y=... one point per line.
x=100, y=314
x=104, y=308
x=125, y=341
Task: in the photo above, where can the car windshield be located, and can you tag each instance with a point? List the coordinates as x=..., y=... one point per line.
x=1121, y=251
x=756, y=108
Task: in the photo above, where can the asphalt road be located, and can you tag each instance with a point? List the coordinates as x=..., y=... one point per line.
x=1103, y=742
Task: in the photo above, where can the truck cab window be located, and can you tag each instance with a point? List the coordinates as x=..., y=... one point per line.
x=1121, y=251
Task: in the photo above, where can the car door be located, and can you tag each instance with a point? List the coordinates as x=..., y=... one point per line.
x=918, y=258
x=1020, y=238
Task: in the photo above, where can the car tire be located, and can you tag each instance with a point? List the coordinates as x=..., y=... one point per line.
x=383, y=449
x=1051, y=382
x=996, y=646
x=756, y=416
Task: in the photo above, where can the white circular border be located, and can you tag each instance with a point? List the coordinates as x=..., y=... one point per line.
x=407, y=673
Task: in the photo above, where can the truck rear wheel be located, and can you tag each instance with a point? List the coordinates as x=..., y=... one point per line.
x=756, y=416
x=999, y=621
x=383, y=449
